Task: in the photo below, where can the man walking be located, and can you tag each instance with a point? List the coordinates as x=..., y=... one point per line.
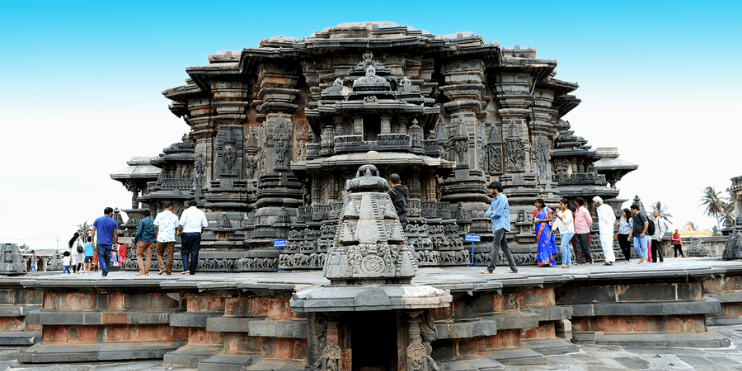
x=659, y=230
x=638, y=230
x=189, y=230
x=499, y=212
x=400, y=198
x=145, y=241
x=107, y=237
x=606, y=219
x=165, y=224
x=583, y=220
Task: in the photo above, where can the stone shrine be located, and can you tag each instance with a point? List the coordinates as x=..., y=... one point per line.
x=276, y=130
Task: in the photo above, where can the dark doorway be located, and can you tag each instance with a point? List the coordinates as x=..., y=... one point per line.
x=371, y=127
x=373, y=341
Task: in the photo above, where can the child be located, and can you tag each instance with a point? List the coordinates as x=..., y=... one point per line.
x=66, y=260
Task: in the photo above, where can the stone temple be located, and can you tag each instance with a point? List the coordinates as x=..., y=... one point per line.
x=275, y=132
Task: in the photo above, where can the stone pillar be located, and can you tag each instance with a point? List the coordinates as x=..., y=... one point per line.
x=358, y=125
x=386, y=127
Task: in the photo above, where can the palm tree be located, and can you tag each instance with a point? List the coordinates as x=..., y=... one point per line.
x=84, y=231
x=692, y=225
x=663, y=211
x=716, y=206
x=716, y=231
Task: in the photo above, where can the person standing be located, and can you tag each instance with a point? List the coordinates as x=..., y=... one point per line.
x=66, y=262
x=544, y=238
x=122, y=254
x=107, y=237
x=622, y=236
x=676, y=244
x=165, y=224
x=145, y=240
x=638, y=229
x=659, y=230
x=566, y=229
x=189, y=231
x=606, y=219
x=499, y=212
x=88, y=256
x=400, y=199
x=583, y=220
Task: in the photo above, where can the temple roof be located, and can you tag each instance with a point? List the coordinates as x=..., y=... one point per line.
x=138, y=168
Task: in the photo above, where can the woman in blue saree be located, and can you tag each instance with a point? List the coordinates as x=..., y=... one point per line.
x=547, y=249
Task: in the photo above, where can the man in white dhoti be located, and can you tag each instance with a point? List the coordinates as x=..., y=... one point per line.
x=606, y=220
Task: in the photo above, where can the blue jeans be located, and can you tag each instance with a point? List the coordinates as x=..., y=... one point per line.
x=191, y=243
x=566, y=255
x=104, y=257
x=640, y=245
x=66, y=269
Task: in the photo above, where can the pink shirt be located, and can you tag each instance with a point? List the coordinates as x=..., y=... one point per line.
x=582, y=221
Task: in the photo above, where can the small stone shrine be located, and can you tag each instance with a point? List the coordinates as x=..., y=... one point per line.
x=276, y=130
x=370, y=244
x=12, y=260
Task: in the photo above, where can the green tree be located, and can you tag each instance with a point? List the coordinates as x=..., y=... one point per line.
x=716, y=231
x=717, y=206
x=692, y=225
x=84, y=230
x=664, y=214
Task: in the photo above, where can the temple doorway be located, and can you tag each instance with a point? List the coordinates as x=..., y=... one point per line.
x=374, y=341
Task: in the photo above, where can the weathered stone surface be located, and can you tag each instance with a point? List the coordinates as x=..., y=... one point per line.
x=191, y=355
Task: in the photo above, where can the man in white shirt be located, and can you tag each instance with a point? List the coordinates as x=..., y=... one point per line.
x=165, y=225
x=606, y=220
x=659, y=230
x=189, y=230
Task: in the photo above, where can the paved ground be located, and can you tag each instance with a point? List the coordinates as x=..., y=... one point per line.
x=589, y=358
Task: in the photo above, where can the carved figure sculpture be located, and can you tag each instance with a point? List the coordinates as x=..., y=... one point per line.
x=542, y=157
x=229, y=159
x=200, y=170
x=281, y=141
x=461, y=146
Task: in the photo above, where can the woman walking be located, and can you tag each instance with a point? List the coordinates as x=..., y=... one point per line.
x=545, y=239
x=564, y=222
x=676, y=244
x=624, y=229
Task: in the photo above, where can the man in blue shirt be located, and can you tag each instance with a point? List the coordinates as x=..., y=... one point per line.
x=145, y=241
x=107, y=236
x=499, y=212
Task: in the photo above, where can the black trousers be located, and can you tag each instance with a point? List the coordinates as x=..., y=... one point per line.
x=501, y=242
x=191, y=243
x=657, y=251
x=625, y=246
x=583, y=245
x=678, y=248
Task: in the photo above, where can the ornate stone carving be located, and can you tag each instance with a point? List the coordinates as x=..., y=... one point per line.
x=229, y=146
x=370, y=243
x=199, y=172
x=331, y=358
x=515, y=152
x=542, y=157
x=281, y=139
x=419, y=349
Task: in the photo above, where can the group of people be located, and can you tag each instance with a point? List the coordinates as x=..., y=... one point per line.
x=574, y=224
x=160, y=233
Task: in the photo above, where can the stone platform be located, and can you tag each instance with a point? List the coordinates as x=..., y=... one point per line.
x=260, y=320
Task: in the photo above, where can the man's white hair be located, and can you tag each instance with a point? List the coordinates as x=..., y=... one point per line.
x=597, y=199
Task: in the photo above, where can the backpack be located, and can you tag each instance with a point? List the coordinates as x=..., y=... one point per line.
x=650, y=227
x=80, y=250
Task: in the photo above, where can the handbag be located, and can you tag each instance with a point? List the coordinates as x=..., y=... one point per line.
x=80, y=250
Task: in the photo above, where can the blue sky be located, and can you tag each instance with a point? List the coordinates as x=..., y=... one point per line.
x=82, y=85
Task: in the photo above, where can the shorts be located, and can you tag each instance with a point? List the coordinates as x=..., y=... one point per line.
x=88, y=259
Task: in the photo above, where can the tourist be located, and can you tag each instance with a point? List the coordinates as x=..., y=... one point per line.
x=677, y=246
x=189, y=230
x=145, y=240
x=606, y=218
x=544, y=238
x=564, y=222
x=107, y=237
x=66, y=262
x=122, y=254
x=622, y=236
x=659, y=230
x=88, y=255
x=115, y=257
x=165, y=224
x=639, y=223
x=579, y=256
x=33, y=261
x=76, y=258
x=400, y=198
x=583, y=220
x=499, y=212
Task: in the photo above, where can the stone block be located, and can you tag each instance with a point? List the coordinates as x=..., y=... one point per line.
x=516, y=320
x=225, y=362
x=551, y=347
x=191, y=319
x=553, y=313
x=467, y=329
x=190, y=355
x=46, y=353
x=60, y=318
x=19, y=338
x=281, y=329
x=228, y=324
x=276, y=365
x=516, y=356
